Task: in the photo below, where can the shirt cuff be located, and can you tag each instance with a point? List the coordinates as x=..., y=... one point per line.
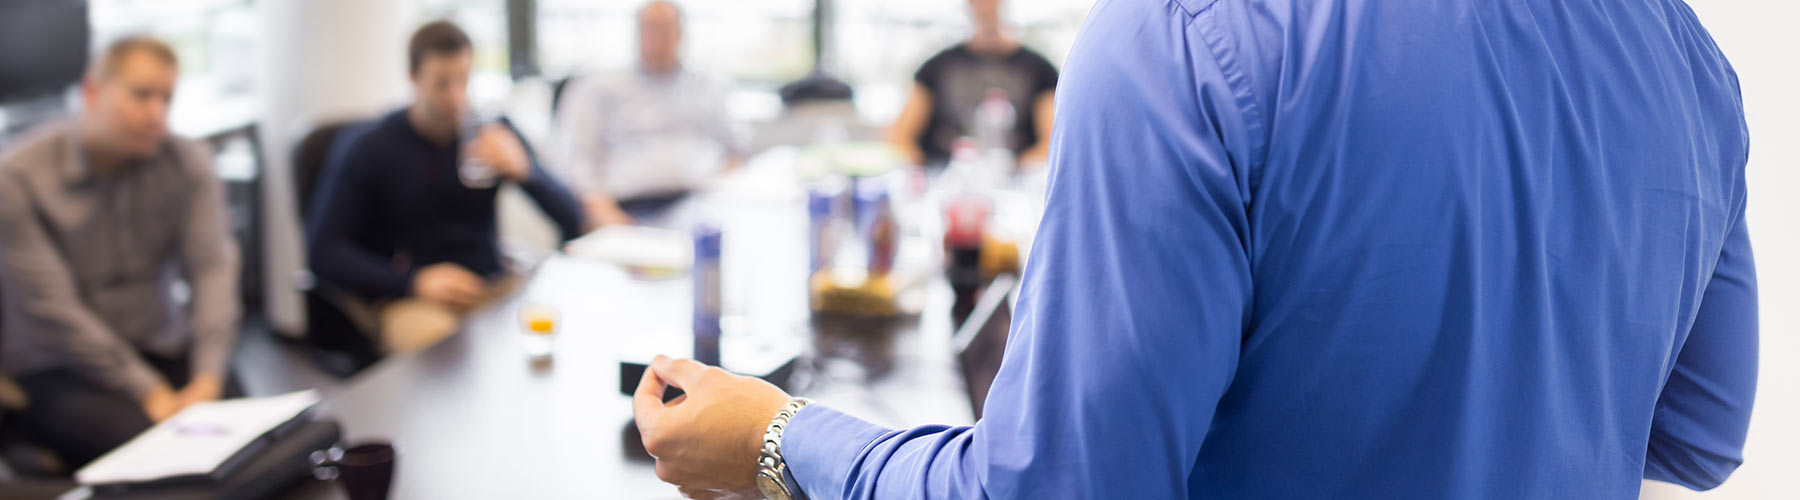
x=136, y=378
x=210, y=356
x=821, y=446
x=398, y=286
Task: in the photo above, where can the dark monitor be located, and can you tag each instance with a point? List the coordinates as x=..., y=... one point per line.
x=43, y=47
x=981, y=341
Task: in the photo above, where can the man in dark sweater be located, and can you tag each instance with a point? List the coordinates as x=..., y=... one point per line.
x=402, y=228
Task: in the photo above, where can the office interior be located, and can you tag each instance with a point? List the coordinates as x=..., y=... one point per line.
x=813, y=88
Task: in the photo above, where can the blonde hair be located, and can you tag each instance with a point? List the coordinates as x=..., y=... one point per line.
x=110, y=60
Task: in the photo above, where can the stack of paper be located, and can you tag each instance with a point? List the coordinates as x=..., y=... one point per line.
x=197, y=441
x=640, y=249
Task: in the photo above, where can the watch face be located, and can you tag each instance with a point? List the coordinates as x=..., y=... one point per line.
x=771, y=486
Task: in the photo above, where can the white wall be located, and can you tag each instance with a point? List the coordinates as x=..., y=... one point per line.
x=322, y=60
x=1762, y=39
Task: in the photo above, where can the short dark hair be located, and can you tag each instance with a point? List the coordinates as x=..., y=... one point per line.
x=113, y=57
x=436, y=37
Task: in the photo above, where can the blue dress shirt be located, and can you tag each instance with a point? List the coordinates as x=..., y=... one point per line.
x=1409, y=249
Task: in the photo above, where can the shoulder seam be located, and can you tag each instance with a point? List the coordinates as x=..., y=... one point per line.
x=1193, y=7
x=1236, y=80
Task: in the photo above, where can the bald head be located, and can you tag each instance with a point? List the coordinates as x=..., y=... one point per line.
x=118, y=54
x=659, y=36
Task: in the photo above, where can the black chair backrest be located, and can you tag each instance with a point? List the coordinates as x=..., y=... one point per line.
x=557, y=90
x=346, y=349
x=313, y=154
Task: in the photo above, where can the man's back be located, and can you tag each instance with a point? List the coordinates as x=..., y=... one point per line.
x=1478, y=239
x=1363, y=250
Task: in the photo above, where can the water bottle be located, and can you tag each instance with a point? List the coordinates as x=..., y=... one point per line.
x=473, y=173
x=969, y=169
x=994, y=121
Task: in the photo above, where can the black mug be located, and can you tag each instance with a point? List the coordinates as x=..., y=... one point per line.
x=366, y=471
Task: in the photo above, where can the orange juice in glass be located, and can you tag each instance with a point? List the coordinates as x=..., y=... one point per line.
x=539, y=321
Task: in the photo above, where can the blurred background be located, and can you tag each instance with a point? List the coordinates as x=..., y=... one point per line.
x=258, y=75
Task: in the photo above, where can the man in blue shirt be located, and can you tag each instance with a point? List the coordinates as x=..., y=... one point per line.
x=1432, y=249
x=401, y=234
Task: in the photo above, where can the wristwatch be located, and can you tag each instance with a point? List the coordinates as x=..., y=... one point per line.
x=772, y=476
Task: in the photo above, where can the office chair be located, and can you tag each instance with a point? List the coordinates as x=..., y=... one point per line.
x=557, y=89
x=341, y=347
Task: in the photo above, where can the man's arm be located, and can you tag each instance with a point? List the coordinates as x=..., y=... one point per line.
x=1135, y=301
x=725, y=130
x=1697, y=435
x=904, y=134
x=210, y=260
x=343, y=201
x=554, y=199
x=581, y=137
x=35, y=272
x=1043, y=117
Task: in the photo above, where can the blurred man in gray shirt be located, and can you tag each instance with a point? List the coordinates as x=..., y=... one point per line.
x=100, y=216
x=648, y=134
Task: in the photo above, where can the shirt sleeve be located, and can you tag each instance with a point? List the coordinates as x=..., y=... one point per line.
x=1135, y=299
x=1697, y=434
x=211, y=263
x=1045, y=76
x=342, y=203
x=582, y=138
x=928, y=73
x=731, y=135
x=36, y=273
x=549, y=194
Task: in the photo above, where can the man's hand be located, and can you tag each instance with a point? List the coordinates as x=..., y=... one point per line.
x=160, y=403
x=204, y=387
x=450, y=284
x=497, y=146
x=604, y=211
x=706, y=442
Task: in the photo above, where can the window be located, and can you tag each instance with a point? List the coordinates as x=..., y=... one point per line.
x=216, y=41
x=760, y=44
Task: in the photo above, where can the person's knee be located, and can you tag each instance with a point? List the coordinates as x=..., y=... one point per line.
x=79, y=422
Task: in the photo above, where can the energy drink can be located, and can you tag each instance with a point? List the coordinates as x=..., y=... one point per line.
x=821, y=209
x=708, y=293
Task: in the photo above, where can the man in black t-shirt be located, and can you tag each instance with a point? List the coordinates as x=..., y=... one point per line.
x=951, y=85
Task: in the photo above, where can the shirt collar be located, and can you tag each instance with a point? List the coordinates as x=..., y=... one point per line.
x=670, y=75
x=78, y=169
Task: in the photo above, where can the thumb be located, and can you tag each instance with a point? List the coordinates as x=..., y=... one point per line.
x=683, y=373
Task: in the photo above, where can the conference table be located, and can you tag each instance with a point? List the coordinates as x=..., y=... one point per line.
x=475, y=417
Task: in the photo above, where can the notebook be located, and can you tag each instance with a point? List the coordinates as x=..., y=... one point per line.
x=200, y=443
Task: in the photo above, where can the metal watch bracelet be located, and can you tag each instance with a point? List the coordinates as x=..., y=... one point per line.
x=771, y=469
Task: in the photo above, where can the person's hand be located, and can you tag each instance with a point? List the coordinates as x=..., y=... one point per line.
x=1034, y=159
x=203, y=388
x=706, y=442
x=450, y=284
x=604, y=211
x=496, y=145
x=160, y=403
